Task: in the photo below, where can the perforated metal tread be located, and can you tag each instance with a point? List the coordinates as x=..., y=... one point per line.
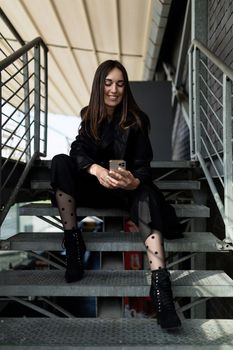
x=116, y=283
x=178, y=185
x=114, y=334
x=110, y=241
x=182, y=210
x=163, y=184
x=174, y=164
x=154, y=164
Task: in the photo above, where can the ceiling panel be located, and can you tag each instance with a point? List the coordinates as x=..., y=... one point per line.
x=102, y=16
x=74, y=22
x=133, y=66
x=81, y=34
x=59, y=83
x=45, y=20
x=17, y=15
x=87, y=63
x=134, y=22
x=71, y=72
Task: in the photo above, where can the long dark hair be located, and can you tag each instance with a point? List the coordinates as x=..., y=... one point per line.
x=96, y=112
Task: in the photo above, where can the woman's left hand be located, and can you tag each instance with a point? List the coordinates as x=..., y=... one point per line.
x=122, y=178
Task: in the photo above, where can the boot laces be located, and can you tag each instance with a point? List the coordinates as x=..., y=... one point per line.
x=162, y=293
x=165, y=298
x=76, y=249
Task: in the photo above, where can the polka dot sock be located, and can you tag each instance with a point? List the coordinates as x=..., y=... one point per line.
x=67, y=209
x=155, y=250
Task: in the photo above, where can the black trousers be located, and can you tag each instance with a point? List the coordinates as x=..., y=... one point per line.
x=146, y=204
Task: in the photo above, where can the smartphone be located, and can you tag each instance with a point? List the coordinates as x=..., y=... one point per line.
x=116, y=163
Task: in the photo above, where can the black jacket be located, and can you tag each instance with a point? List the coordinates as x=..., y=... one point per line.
x=131, y=144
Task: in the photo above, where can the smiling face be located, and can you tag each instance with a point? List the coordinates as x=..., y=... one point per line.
x=114, y=86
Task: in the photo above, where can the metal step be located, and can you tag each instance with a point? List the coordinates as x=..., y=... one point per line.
x=183, y=164
x=182, y=210
x=163, y=185
x=178, y=185
x=110, y=241
x=154, y=164
x=113, y=283
x=114, y=334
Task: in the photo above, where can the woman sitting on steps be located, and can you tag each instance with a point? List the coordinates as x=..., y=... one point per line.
x=114, y=127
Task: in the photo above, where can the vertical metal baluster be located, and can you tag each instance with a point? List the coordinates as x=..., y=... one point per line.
x=227, y=157
x=27, y=106
x=0, y=144
x=37, y=100
x=196, y=96
x=191, y=126
x=46, y=100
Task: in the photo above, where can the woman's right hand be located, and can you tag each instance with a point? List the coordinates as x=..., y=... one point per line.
x=102, y=175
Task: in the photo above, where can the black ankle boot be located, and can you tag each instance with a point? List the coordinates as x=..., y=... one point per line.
x=75, y=250
x=162, y=298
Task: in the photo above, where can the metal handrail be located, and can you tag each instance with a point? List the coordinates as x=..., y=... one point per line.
x=215, y=59
x=211, y=127
x=26, y=122
x=20, y=52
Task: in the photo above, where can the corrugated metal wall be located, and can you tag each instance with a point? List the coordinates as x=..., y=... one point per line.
x=220, y=42
x=220, y=29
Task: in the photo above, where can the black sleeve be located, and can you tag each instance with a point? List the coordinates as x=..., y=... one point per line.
x=83, y=150
x=141, y=153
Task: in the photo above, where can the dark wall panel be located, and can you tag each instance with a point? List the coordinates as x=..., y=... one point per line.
x=154, y=98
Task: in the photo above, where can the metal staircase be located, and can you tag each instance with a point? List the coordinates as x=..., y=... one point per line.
x=111, y=329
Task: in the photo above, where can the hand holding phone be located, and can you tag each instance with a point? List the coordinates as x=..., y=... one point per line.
x=121, y=178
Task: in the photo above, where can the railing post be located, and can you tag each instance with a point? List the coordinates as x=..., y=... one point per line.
x=46, y=100
x=27, y=105
x=0, y=143
x=191, y=126
x=37, y=100
x=196, y=97
x=227, y=154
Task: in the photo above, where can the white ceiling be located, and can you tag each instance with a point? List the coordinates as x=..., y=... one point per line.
x=81, y=34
